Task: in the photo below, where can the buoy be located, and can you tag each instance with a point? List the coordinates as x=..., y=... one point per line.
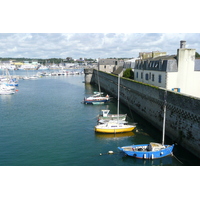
x=110, y=152
x=100, y=154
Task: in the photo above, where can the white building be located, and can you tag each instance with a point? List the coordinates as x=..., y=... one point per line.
x=130, y=63
x=179, y=73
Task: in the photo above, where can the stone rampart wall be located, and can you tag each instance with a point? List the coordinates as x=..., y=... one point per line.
x=183, y=112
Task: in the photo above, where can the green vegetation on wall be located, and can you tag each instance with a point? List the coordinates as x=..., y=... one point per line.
x=128, y=73
x=197, y=55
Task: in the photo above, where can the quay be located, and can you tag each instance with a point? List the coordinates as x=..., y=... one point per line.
x=183, y=111
x=154, y=74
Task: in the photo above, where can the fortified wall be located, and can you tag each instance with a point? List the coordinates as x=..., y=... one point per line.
x=183, y=112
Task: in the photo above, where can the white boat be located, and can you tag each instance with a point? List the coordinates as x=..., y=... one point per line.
x=42, y=67
x=106, y=116
x=8, y=80
x=7, y=87
x=33, y=77
x=96, y=99
x=114, y=126
x=25, y=78
x=6, y=90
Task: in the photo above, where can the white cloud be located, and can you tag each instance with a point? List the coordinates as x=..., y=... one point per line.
x=92, y=45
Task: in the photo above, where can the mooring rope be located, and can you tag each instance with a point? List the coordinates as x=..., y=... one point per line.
x=177, y=159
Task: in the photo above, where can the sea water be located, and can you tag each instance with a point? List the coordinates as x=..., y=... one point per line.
x=45, y=123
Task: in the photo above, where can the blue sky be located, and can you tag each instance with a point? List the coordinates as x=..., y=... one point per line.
x=92, y=45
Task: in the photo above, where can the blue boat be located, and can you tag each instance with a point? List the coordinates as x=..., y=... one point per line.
x=148, y=151
x=11, y=84
x=152, y=150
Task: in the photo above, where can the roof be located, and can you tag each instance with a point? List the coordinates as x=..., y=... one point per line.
x=118, y=71
x=166, y=57
x=107, y=61
x=162, y=63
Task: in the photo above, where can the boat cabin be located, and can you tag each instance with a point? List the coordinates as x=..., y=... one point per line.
x=155, y=147
x=105, y=113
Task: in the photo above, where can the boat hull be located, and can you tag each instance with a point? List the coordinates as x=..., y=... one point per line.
x=11, y=84
x=6, y=92
x=130, y=151
x=95, y=101
x=116, y=130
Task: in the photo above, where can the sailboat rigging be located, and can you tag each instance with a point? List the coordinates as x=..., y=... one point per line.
x=115, y=126
x=152, y=150
x=96, y=98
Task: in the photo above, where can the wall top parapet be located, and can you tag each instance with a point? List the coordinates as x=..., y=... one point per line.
x=88, y=71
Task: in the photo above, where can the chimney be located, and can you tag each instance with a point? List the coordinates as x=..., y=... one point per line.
x=182, y=44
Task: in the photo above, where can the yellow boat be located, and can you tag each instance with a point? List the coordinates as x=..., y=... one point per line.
x=113, y=127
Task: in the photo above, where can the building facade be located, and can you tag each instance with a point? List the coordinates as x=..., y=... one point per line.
x=179, y=73
x=109, y=65
x=130, y=63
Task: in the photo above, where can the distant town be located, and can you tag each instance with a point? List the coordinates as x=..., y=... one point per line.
x=179, y=72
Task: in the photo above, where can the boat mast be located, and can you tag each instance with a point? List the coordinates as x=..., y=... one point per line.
x=118, y=99
x=98, y=82
x=164, y=117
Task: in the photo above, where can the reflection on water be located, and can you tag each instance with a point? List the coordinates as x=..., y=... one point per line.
x=166, y=161
x=116, y=135
x=41, y=124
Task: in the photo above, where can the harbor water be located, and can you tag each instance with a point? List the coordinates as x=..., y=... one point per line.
x=45, y=123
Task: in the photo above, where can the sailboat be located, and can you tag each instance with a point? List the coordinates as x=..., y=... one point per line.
x=8, y=81
x=6, y=89
x=114, y=126
x=105, y=116
x=97, y=98
x=151, y=150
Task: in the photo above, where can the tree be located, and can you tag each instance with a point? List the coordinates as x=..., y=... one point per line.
x=128, y=73
x=197, y=55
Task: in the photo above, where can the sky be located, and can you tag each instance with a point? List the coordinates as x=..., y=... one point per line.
x=92, y=45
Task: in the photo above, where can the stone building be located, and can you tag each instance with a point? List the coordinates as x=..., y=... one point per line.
x=109, y=65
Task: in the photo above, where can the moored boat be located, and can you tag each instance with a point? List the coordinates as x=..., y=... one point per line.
x=114, y=127
x=148, y=151
x=152, y=150
x=106, y=116
x=96, y=100
x=6, y=90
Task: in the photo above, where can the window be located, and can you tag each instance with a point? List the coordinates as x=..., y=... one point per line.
x=159, y=78
x=141, y=75
x=153, y=77
x=137, y=75
x=104, y=66
x=147, y=77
